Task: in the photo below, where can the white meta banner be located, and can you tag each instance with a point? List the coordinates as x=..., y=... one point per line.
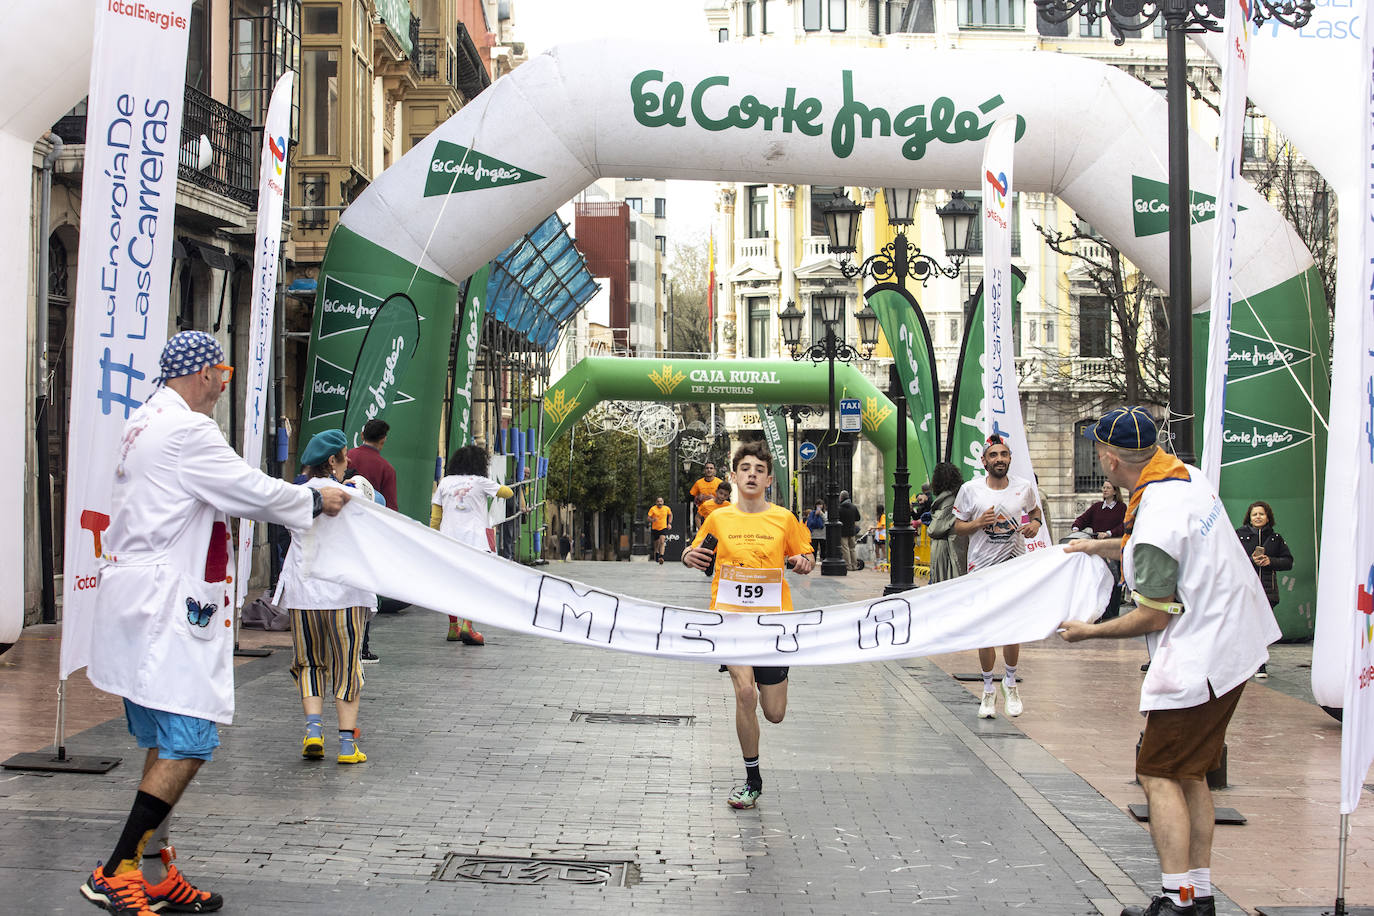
x=271, y=193
x=1001, y=394
x=1356, y=406
x=123, y=282
x=1235, y=75
x=373, y=549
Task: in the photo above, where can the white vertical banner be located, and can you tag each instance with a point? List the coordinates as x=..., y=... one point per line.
x=123, y=281
x=1355, y=406
x=1000, y=388
x=257, y=373
x=1235, y=64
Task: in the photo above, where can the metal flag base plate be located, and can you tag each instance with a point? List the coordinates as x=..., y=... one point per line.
x=49, y=762
x=978, y=677
x=1328, y=910
x=251, y=653
x=1223, y=816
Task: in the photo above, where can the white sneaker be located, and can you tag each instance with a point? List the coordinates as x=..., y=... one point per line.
x=988, y=708
x=1013, y=703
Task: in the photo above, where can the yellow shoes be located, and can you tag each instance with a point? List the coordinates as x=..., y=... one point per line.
x=312, y=748
x=357, y=756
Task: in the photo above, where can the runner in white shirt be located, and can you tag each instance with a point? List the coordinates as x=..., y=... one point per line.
x=459, y=509
x=997, y=513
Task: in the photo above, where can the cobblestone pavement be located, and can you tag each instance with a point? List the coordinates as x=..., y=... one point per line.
x=883, y=791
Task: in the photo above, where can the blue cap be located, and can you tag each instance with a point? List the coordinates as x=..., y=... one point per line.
x=1125, y=427
x=322, y=445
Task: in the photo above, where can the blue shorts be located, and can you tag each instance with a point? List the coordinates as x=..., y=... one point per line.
x=175, y=736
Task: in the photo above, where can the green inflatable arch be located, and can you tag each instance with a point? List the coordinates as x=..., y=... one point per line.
x=751, y=381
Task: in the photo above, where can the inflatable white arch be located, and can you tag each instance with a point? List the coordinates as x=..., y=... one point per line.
x=45, y=62
x=1092, y=135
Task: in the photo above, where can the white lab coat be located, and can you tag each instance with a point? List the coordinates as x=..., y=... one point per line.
x=300, y=592
x=175, y=478
x=1221, y=637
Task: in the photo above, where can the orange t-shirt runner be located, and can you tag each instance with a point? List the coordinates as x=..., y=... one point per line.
x=658, y=517
x=753, y=541
x=710, y=506
x=706, y=488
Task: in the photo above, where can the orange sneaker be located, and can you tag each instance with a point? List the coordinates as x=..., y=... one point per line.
x=469, y=636
x=174, y=894
x=125, y=894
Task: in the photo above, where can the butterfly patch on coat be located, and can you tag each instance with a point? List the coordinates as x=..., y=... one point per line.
x=198, y=614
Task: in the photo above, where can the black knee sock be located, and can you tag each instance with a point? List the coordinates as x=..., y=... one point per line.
x=751, y=773
x=148, y=811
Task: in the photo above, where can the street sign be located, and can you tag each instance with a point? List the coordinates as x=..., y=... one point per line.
x=806, y=451
x=851, y=416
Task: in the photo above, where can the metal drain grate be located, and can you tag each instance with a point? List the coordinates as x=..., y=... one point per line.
x=629, y=718
x=539, y=872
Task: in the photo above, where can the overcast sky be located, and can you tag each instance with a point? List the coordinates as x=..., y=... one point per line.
x=541, y=24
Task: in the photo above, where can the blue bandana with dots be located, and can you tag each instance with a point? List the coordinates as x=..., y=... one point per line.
x=188, y=352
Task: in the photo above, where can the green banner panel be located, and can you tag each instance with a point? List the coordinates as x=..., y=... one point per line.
x=465, y=359
x=388, y=348
x=965, y=444
x=358, y=277
x=907, y=336
x=775, y=433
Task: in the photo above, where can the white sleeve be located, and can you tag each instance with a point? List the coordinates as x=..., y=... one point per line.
x=438, y=498
x=211, y=471
x=964, y=504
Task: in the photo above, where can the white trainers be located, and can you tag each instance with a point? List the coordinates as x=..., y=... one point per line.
x=988, y=708
x=1013, y=703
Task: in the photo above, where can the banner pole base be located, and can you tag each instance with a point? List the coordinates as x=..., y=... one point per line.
x=59, y=762
x=250, y=653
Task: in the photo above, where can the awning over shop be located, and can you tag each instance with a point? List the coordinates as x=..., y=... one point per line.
x=538, y=284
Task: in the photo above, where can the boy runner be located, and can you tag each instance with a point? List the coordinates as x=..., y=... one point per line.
x=753, y=534
x=719, y=500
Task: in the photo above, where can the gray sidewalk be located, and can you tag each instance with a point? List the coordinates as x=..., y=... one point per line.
x=882, y=790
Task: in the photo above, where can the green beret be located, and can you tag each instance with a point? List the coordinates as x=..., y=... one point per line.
x=322, y=445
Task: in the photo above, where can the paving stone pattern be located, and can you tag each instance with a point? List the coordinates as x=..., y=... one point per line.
x=883, y=791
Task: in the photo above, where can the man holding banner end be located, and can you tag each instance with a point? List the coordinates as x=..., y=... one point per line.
x=163, y=621
x=1208, y=624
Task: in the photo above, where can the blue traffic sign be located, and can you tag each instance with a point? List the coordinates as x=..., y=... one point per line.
x=807, y=451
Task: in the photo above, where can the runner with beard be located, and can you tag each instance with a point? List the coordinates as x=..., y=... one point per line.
x=997, y=513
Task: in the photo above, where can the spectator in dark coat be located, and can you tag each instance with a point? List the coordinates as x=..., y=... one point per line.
x=1269, y=555
x=1106, y=517
x=849, y=529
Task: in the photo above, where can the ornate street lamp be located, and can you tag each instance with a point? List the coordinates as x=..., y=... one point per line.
x=899, y=259
x=830, y=306
x=868, y=329
x=1180, y=17
x=956, y=218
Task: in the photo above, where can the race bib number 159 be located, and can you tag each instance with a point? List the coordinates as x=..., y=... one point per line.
x=749, y=590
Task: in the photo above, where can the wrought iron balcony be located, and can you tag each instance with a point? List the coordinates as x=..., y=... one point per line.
x=232, y=173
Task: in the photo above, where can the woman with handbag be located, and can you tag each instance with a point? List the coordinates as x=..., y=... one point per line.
x=1269, y=555
x=948, y=551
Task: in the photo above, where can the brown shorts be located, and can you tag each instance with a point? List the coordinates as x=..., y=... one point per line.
x=1186, y=743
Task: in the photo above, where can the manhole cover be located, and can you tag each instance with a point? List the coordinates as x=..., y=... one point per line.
x=546, y=872
x=630, y=718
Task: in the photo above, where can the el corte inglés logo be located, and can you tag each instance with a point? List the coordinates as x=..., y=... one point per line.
x=1150, y=201
x=455, y=169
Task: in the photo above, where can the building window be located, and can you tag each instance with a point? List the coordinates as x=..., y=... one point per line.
x=660, y=208
x=837, y=15
x=263, y=46
x=1253, y=146
x=662, y=242
x=975, y=232
x=759, y=318
x=314, y=197
x=198, y=48
x=1161, y=329
x=636, y=204
x=1321, y=214
x=322, y=20
x=954, y=330
x=757, y=195
x=1089, y=28
x=747, y=14
x=1159, y=26
x=820, y=194
x=1094, y=327
x=763, y=17
x=992, y=14
x=723, y=36
x=320, y=96
x=634, y=272
x=1050, y=338
x=1032, y=329
x=811, y=15
x=1087, y=475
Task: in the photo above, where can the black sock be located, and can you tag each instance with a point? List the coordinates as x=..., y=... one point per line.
x=148, y=811
x=751, y=773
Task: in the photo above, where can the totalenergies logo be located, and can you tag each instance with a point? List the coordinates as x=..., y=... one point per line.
x=1364, y=603
x=278, y=147
x=998, y=183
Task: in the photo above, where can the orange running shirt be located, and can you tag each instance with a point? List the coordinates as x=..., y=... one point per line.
x=658, y=517
x=707, y=488
x=754, y=540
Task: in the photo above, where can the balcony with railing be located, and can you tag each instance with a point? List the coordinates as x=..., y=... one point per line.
x=232, y=172
x=815, y=248
x=434, y=61
x=756, y=251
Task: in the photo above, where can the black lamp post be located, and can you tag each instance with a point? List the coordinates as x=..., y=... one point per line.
x=901, y=537
x=797, y=413
x=828, y=350
x=899, y=260
x=1180, y=17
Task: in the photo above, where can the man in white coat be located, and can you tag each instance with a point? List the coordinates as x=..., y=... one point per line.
x=163, y=621
x=1204, y=613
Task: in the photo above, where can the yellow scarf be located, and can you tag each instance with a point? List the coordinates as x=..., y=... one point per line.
x=1163, y=466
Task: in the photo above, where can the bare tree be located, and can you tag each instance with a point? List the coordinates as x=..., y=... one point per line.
x=689, y=280
x=1135, y=369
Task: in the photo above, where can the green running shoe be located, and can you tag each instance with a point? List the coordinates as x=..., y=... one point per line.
x=745, y=797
